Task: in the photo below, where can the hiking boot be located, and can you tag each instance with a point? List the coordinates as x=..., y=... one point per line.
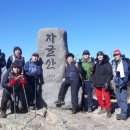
x=102, y=110
x=109, y=113
x=3, y=114
x=90, y=110
x=74, y=111
x=121, y=117
x=31, y=107
x=60, y=102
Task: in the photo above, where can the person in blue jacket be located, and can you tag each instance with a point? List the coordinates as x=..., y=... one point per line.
x=120, y=72
x=71, y=78
x=34, y=77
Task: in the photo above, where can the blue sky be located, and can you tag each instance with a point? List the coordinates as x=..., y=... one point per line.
x=90, y=24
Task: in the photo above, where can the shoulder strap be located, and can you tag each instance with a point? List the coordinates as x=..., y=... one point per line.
x=12, y=58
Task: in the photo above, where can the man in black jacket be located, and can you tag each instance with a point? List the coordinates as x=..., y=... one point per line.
x=102, y=75
x=2, y=62
x=71, y=78
x=12, y=82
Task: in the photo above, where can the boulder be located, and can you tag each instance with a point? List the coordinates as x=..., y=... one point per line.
x=52, y=47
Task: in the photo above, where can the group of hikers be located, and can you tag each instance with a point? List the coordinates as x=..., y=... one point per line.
x=22, y=82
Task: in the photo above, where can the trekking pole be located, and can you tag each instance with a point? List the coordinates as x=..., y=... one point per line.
x=35, y=94
x=14, y=102
x=25, y=98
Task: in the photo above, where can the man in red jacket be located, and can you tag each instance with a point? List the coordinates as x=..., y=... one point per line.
x=12, y=82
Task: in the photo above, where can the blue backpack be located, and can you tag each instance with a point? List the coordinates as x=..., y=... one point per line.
x=34, y=69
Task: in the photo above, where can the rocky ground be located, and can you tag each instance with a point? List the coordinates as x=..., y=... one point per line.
x=58, y=119
x=63, y=119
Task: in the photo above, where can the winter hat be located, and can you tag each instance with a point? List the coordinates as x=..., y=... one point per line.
x=86, y=52
x=100, y=53
x=18, y=48
x=17, y=64
x=70, y=55
x=117, y=52
x=35, y=54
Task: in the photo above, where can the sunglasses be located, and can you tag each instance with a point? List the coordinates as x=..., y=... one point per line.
x=116, y=54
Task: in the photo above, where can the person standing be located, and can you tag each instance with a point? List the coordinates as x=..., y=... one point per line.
x=87, y=67
x=71, y=78
x=102, y=75
x=34, y=76
x=16, y=56
x=121, y=72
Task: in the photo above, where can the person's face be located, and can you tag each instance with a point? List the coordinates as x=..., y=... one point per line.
x=85, y=56
x=117, y=56
x=34, y=58
x=100, y=57
x=17, y=52
x=16, y=70
x=70, y=59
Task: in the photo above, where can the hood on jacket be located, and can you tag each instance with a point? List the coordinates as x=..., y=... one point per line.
x=17, y=48
x=105, y=59
x=86, y=60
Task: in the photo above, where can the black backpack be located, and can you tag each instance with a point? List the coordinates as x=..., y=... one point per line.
x=128, y=62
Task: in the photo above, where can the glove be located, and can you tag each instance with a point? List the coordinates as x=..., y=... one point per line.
x=22, y=81
x=106, y=86
x=12, y=82
x=119, y=82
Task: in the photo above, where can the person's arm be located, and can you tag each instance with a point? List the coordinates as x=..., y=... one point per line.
x=26, y=69
x=109, y=76
x=2, y=60
x=109, y=73
x=9, y=62
x=5, y=81
x=23, y=62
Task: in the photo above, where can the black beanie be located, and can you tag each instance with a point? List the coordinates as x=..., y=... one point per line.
x=18, y=48
x=86, y=52
x=70, y=55
x=17, y=64
x=100, y=53
x=35, y=54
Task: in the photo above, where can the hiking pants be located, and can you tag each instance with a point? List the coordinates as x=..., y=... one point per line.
x=103, y=98
x=74, y=84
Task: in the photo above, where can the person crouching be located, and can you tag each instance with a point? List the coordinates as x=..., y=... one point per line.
x=13, y=83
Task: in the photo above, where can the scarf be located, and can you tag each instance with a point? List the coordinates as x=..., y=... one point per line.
x=120, y=69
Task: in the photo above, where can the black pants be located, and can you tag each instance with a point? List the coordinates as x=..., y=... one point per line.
x=8, y=96
x=74, y=84
x=34, y=90
x=87, y=97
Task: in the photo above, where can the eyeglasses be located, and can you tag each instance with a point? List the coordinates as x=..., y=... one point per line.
x=116, y=55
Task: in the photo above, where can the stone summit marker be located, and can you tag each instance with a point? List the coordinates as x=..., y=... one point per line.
x=52, y=47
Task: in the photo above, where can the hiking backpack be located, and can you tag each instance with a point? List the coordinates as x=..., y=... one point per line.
x=128, y=62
